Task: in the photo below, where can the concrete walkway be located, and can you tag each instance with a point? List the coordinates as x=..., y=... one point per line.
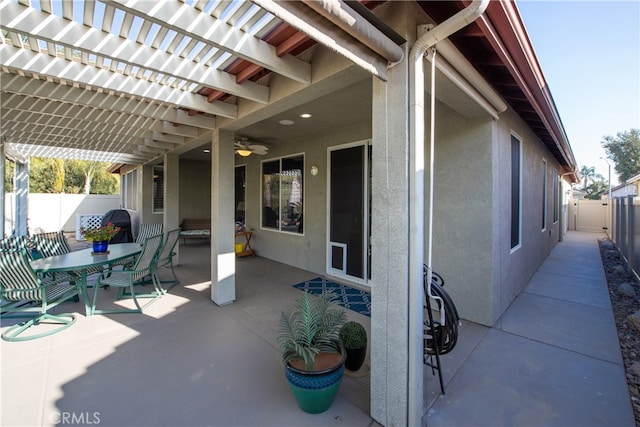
x=553, y=359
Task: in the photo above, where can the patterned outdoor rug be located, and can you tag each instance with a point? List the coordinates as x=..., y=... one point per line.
x=348, y=297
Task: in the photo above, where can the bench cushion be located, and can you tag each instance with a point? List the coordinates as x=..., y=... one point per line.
x=196, y=228
x=195, y=233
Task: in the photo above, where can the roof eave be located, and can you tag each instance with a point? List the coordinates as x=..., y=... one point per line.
x=505, y=31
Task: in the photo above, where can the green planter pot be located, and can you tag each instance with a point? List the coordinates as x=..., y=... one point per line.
x=315, y=390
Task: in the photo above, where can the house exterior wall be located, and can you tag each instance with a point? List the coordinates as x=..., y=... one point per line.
x=195, y=189
x=513, y=269
x=306, y=251
x=146, y=214
x=463, y=211
x=472, y=211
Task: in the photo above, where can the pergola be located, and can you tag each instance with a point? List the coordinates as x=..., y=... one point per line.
x=127, y=81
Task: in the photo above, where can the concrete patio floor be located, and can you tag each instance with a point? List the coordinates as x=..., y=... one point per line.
x=552, y=359
x=184, y=362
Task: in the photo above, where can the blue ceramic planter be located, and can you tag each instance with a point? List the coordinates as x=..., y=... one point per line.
x=315, y=390
x=99, y=247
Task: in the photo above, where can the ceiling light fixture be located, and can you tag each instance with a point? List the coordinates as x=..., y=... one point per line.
x=305, y=115
x=244, y=153
x=286, y=122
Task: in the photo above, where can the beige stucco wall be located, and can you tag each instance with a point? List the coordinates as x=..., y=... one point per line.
x=515, y=268
x=145, y=214
x=472, y=211
x=195, y=189
x=463, y=193
x=307, y=251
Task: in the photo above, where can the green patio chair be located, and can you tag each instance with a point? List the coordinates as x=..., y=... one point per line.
x=165, y=257
x=146, y=231
x=18, y=243
x=19, y=283
x=130, y=277
x=26, y=243
x=54, y=243
x=50, y=244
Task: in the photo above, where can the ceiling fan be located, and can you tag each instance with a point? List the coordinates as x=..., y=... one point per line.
x=245, y=148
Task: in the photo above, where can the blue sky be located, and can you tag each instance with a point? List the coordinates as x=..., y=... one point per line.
x=589, y=52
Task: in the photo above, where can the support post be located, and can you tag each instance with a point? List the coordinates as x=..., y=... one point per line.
x=223, y=258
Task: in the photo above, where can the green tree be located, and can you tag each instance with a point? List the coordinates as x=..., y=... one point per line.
x=588, y=174
x=104, y=182
x=624, y=150
x=90, y=177
x=596, y=189
x=43, y=175
x=59, y=172
x=71, y=176
x=9, y=170
x=593, y=184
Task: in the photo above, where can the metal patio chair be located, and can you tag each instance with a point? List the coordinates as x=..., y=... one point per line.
x=26, y=295
x=54, y=243
x=146, y=231
x=50, y=244
x=130, y=277
x=18, y=243
x=165, y=257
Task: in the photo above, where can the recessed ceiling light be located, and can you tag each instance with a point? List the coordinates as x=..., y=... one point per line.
x=206, y=150
x=286, y=122
x=305, y=115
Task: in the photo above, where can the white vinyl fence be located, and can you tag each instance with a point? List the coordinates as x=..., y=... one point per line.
x=589, y=215
x=53, y=212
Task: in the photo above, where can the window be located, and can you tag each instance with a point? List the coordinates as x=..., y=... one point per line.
x=544, y=194
x=516, y=179
x=556, y=200
x=282, y=198
x=240, y=187
x=129, y=190
x=158, y=189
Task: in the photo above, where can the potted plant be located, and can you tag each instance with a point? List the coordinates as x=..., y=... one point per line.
x=354, y=339
x=100, y=236
x=310, y=348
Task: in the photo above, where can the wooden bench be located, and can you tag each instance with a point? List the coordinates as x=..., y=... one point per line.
x=195, y=228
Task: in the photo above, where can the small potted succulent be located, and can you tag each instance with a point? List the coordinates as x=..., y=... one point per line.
x=309, y=344
x=354, y=339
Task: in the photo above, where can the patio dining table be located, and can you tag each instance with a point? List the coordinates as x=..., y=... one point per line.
x=82, y=260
